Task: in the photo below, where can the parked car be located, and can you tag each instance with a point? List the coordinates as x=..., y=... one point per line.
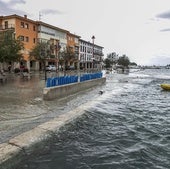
x=70, y=68
x=51, y=68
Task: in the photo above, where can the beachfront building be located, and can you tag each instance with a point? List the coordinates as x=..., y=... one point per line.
x=56, y=38
x=73, y=46
x=86, y=54
x=91, y=55
x=23, y=28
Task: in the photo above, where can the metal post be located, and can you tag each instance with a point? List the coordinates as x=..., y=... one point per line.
x=93, y=37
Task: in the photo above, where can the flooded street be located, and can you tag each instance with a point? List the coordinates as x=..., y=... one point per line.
x=22, y=107
x=128, y=127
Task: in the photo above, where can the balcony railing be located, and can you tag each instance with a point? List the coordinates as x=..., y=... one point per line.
x=8, y=26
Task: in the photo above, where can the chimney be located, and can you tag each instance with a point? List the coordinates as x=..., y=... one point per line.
x=25, y=16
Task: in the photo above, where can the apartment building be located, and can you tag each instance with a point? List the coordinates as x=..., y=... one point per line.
x=30, y=32
x=56, y=38
x=91, y=55
x=73, y=45
x=23, y=28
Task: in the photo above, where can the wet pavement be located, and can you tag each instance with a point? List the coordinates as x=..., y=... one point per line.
x=22, y=107
x=17, y=95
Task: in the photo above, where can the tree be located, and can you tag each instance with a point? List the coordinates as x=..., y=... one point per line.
x=10, y=49
x=67, y=55
x=123, y=61
x=133, y=64
x=40, y=52
x=107, y=63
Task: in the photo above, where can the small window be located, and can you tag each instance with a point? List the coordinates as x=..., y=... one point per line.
x=22, y=24
x=34, y=40
x=27, y=39
x=26, y=25
x=21, y=38
x=6, y=24
x=34, y=28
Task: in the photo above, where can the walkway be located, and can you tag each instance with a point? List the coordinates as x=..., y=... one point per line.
x=22, y=106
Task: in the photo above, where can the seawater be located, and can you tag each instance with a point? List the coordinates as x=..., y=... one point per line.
x=128, y=128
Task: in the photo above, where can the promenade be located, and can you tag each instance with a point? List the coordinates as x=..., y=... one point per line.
x=23, y=107
x=17, y=99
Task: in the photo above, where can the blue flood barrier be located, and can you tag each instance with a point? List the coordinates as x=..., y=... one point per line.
x=53, y=82
x=56, y=81
x=60, y=80
x=48, y=82
x=91, y=76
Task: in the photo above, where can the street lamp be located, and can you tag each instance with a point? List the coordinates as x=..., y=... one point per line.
x=93, y=37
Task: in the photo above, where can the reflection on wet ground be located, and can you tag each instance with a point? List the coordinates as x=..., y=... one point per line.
x=22, y=107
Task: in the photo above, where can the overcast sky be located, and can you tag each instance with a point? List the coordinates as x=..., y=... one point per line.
x=138, y=28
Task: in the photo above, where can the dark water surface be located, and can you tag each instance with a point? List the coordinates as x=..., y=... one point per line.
x=128, y=128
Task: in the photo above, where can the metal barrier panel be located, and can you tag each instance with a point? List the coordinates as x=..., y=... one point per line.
x=56, y=81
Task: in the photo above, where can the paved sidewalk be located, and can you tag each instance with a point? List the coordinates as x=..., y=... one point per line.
x=22, y=107
x=19, y=99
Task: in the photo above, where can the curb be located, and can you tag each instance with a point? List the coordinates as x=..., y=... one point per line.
x=19, y=147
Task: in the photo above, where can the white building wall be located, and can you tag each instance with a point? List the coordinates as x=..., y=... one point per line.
x=11, y=22
x=49, y=33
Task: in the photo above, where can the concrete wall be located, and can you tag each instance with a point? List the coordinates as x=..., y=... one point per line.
x=18, y=148
x=56, y=92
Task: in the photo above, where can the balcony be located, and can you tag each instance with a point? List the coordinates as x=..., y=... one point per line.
x=98, y=53
x=6, y=27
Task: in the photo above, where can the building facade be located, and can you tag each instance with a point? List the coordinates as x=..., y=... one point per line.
x=30, y=32
x=56, y=38
x=23, y=29
x=91, y=55
x=73, y=46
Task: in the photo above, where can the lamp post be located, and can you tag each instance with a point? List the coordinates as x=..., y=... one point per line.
x=93, y=37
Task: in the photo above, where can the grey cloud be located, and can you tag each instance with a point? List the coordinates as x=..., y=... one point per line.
x=164, y=15
x=15, y=2
x=7, y=8
x=165, y=30
x=162, y=59
x=50, y=11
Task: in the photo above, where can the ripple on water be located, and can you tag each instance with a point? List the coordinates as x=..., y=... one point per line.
x=128, y=127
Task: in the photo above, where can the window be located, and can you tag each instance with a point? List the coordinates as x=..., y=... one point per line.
x=21, y=38
x=31, y=63
x=27, y=39
x=6, y=24
x=22, y=24
x=34, y=28
x=26, y=25
x=34, y=40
